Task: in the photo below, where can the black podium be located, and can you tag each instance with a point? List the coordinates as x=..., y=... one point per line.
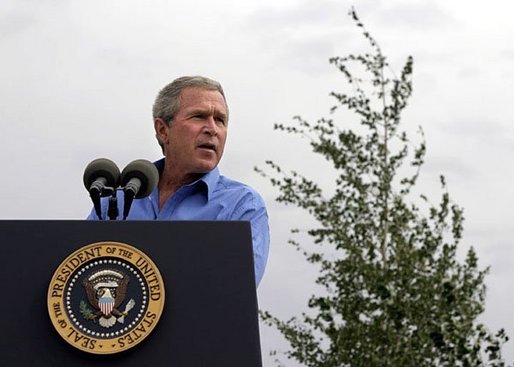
x=210, y=311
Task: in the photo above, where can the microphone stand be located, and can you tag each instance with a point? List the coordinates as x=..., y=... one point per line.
x=130, y=191
x=112, y=210
x=96, y=192
x=95, y=197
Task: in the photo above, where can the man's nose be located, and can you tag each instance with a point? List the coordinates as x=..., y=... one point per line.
x=210, y=126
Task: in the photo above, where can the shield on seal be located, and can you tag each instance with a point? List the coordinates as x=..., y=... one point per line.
x=106, y=304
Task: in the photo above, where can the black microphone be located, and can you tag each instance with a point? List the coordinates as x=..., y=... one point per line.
x=138, y=180
x=101, y=178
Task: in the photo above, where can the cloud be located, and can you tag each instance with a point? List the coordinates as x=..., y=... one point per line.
x=420, y=15
x=298, y=15
x=301, y=35
x=480, y=130
x=507, y=53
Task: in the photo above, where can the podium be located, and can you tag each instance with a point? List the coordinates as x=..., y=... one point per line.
x=210, y=309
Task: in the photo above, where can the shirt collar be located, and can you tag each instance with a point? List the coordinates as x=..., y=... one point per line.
x=210, y=179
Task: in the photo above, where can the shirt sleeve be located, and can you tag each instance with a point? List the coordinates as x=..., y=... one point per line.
x=92, y=215
x=252, y=208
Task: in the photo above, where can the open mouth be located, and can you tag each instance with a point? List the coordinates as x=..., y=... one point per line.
x=208, y=146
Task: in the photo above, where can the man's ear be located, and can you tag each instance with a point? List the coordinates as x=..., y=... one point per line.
x=161, y=131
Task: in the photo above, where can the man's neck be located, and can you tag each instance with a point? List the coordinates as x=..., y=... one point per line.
x=170, y=183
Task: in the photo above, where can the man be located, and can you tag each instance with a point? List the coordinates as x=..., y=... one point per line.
x=191, y=120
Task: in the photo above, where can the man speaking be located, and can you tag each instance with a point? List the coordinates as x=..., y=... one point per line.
x=191, y=120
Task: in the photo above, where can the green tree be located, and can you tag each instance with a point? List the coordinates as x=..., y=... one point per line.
x=395, y=292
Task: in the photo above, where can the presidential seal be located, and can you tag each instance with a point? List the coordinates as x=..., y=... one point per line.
x=105, y=297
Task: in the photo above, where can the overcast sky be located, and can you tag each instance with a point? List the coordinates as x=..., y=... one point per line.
x=78, y=78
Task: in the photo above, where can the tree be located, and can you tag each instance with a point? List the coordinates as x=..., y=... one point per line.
x=395, y=292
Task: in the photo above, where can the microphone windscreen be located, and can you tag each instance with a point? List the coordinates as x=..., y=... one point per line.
x=145, y=171
x=102, y=167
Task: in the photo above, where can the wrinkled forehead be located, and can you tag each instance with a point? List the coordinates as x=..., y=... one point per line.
x=195, y=97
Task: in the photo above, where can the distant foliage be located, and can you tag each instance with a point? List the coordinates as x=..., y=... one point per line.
x=395, y=292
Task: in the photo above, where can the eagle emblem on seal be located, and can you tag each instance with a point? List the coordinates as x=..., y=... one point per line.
x=106, y=291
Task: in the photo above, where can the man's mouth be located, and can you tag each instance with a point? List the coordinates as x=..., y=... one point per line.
x=208, y=146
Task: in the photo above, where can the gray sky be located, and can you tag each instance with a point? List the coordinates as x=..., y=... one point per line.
x=78, y=78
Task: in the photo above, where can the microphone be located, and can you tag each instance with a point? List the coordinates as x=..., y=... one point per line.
x=138, y=180
x=101, y=178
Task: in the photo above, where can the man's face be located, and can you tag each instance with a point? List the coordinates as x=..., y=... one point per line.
x=195, y=139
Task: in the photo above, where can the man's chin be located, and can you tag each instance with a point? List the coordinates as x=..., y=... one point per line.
x=205, y=167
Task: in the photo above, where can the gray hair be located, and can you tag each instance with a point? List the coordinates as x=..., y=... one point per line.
x=167, y=103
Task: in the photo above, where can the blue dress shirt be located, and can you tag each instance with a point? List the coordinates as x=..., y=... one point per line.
x=212, y=197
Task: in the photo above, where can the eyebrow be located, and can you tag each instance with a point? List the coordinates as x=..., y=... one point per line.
x=207, y=112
